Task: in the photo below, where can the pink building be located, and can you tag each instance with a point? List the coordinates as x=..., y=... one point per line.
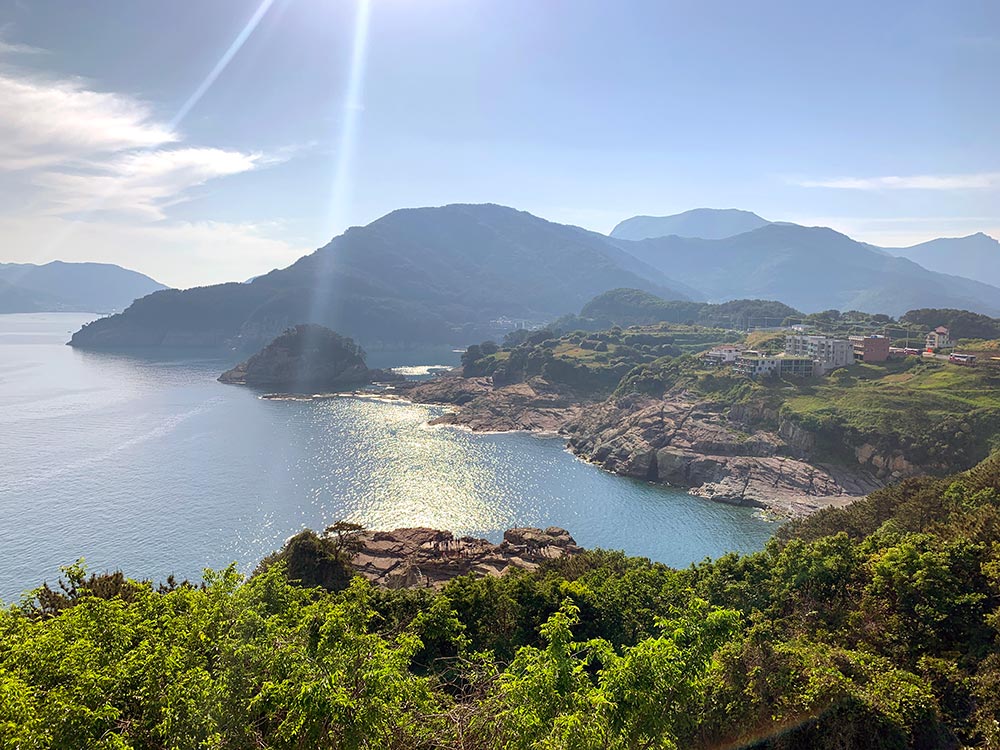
x=870, y=348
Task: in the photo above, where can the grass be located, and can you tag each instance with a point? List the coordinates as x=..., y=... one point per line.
x=939, y=413
x=928, y=389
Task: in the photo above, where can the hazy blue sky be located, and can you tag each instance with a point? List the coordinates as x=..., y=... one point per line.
x=125, y=137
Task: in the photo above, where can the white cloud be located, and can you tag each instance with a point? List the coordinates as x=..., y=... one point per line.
x=10, y=48
x=974, y=181
x=141, y=183
x=88, y=175
x=46, y=123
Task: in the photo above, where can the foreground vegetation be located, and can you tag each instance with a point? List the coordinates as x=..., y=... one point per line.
x=875, y=626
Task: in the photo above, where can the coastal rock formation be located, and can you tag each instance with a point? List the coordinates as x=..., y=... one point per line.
x=744, y=454
x=306, y=358
x=422, y=557
x=693, y=444
x=534, y=405
x=715, y=453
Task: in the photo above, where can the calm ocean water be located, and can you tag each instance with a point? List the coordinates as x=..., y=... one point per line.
x=151, y=466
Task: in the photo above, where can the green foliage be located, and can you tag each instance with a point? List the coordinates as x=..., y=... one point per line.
x=587, y=363
x=938, y=416
x=962, y=324
x=313, y=560
x=634, y=307
x=873, y=626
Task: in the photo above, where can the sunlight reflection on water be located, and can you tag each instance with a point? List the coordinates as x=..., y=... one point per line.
x=150, y=465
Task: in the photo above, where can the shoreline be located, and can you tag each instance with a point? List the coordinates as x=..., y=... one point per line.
x=716, y=466
x=674, y=443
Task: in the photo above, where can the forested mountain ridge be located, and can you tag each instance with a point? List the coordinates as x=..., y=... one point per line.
x=976, y=256
x=627, y=307
x=705, y=223
x=462, y=273
x=440, y=275
x=811, y=269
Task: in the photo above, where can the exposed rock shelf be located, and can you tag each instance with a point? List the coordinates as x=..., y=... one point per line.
x=533, y=405
x=696, y=445
x=422, y=557
x=678, y=441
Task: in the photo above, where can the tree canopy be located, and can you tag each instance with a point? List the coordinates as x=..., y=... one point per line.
x=873, y=626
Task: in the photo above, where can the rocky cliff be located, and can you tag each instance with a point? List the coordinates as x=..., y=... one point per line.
x=534, y=405
x=746, y=454
x=699, y=445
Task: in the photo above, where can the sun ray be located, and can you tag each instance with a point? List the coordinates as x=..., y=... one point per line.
x=340, y=197
x=222, y=64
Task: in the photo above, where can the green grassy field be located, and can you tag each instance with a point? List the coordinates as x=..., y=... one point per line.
x=933, y=411
x=865, y=394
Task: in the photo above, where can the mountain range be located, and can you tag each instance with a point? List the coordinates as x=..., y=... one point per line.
x=811, y=268
x=976, y=256
x=461, y=273
x=435, y=275
x=70, y=287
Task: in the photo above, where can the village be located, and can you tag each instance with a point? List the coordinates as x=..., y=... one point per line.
x=814, y=355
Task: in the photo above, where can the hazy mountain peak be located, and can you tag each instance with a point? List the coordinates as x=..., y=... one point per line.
x=72, y=287
x=703, y=223
x=975, y=256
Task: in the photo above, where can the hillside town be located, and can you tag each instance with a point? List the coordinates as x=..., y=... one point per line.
x=815, y=355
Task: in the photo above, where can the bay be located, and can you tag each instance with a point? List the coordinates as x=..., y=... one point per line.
x=148, y=465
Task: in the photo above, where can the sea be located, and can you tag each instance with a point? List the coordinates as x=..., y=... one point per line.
x=144, y=463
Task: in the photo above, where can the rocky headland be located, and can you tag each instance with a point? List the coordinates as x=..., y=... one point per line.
x=305, y=359
x=718, y=453
x=706, y=448
x=422, y=557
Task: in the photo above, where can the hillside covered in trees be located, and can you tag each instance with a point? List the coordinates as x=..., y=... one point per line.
x=627, y=307
x=874, y=626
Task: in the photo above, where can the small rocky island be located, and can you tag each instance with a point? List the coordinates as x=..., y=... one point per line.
x=307, y=359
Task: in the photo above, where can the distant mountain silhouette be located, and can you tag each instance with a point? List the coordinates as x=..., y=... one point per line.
x=70, y=287
x=975, y=257
x=811, y=269
x=463, y=273
x=416, y=275
x=703, y=223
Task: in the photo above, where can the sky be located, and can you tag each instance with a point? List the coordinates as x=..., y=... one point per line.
x=202, y=142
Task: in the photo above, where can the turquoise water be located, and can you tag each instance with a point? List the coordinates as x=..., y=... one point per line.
x=151, y=466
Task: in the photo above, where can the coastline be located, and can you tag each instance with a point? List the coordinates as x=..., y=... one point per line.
x=672, y=442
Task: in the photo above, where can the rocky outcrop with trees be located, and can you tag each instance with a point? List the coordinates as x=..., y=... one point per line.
x=412, y=557
x=306, y=358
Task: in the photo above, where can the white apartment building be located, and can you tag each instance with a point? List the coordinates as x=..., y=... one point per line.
x=722, y=355
x=827, y=353
x=755, y=365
